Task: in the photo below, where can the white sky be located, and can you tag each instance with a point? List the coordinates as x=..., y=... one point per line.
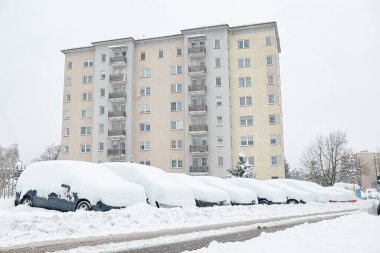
x=329, y=60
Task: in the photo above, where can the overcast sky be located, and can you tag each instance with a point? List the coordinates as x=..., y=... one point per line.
x=329, y=60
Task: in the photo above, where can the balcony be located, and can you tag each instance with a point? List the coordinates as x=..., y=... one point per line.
x=197, y=52
x=199, y=169
x=197, y=71
x=117, y=115
x=198, y=149
x=196, y=89
x=118, y=79
x=116, y=133
x=117, y=96
x=118, y=60
x=193, y=129
x=116, y=152
x=197, y=109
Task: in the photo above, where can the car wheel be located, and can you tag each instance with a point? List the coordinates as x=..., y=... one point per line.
x=27, y=201
x=83, y=205
x=263, y=202
x=292, y=201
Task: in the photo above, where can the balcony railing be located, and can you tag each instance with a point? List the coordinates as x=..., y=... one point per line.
x=197, y=51
x=198, y=88
x=198, y=148
x=118, y=59
x=117, y=95
x=116, y=152
x=197, y=108
x=198, y=128
x=117, y=78
x=197, y=70
x=114, y=133
x=198, y=169
x=117, y=114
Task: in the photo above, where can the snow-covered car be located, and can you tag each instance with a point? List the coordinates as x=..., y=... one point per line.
x=345, y=195
x=372, y=193
x=238, y=195
x=75, y=185
x=318, y=194
x=266, y=194
x=205, y=194
x=332, y=196
x=162, y=190
x=294, y=195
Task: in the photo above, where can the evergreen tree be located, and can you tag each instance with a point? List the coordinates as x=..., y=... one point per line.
x=242, y=168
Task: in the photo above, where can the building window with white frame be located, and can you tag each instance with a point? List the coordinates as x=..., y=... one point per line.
x=219, y=141
x=272, y=119
x=218, y=81
x=268, y=41
x=251, y=160
x=102, y=75
x=85, y=148
x=176, y=164
x=275, y=160
x=145, y=108
x=102, y=110
x=216, y=44
x=100, y=146
x=86, y=113
x=102, y=92
x=243, y=44
x=68, y=81
x=144, y=145
x=176, y=88
x=246, y=141
x=87, y=79
x=270, y=79
x=245, y=101
x=246, y=121
x=66, y=115
x=219, y=121
x=104, y=57
x=145, y=91
x=175, y=70
x=219, y=101
x=176, y=144
x=67, y=98
x=88, y=63
x=269, y=60
x=179, y=51
x=66, y=149
x=273, y=140
x=217, y=62
x=160, y=53
x=144, y=127
x=175, y=106
x=244, y=63
x=145, y=162
x=66, y=132
x=271, y=99
x=85, y=130
x=220, y=161
x=245, y=81
x=101, y=128
x=176, y=124
x=142, y=56
x=69, y=65
x=86, y=96
x=145, y=73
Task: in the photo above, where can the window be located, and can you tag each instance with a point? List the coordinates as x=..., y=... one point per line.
x=174, y=70
x=244, y=63
x=145, y=73
x=245, y=101
x=85, y=148
x=66, y=131
x=144, y=127
x=69, y=65
x=67, y=98
x=66, y=115
x=101, y=128
x=251, y=160
x=217, y=62
x=88, y=63
x=142, y=56
x=144, y=145
x=176, y=164
x=176, y=124
x=104, y=57
x=245, y=81
x=145, y=108
x=68, y=81
x=86, y=113
x=85, y=130
x=246, y=141
x=65, y=149
x=272, y=119
x=102, y=92
x=160, y=53
x=179, y=51
x=268, y=41
x=87, y=79
x=217, y=44
x=246, y=120
x=176, y=88
x=218, y=81
x=275, y=160
x=145, y=162
x=100, y=146
x=102, y=75
x=271, y=99
x=102, y=110
x=176, y=106
x=243, y=44
x=273, y=140
x=219, y=121
x=176, y=144
x=86, y=96
x=269, y=60
x=220, y=160
x=219, y=141
x=270, y=79
x=219, y=101
x=145, y=91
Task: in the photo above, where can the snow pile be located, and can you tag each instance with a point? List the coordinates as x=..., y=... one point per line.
x=238, y=195
x=201, y=190
x=353, y=233
x=345, y=195
x=318, y=194
x=262, y=189
x=291, y=192
x=159, y=186
x=89, y=180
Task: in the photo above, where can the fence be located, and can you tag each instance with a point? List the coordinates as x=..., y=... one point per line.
x=8, y=180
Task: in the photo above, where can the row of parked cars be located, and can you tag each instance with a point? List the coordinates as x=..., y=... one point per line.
x=76, y=185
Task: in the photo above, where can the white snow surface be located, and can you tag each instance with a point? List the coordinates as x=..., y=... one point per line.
x=348, y=234
x=290, y=191
x=262, y=189
x=319, y=195
x=346, y=195
x=159, y=186
x=201, y=190
x=23, y=224
x=237, y=194
x=91, y=181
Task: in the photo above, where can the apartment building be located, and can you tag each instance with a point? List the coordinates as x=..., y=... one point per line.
x=185, y=103
x=371, y=163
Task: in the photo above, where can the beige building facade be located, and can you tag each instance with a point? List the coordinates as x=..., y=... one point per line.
x=371, y=161
x=187, y=103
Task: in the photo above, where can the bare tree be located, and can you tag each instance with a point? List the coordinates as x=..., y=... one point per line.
x=297, y=173
x=52, y=152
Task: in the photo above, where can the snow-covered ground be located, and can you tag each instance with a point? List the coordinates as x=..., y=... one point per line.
x=353, y=233
x=23, y=224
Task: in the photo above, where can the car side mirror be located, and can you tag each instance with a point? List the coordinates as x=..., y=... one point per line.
x=66, y=186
